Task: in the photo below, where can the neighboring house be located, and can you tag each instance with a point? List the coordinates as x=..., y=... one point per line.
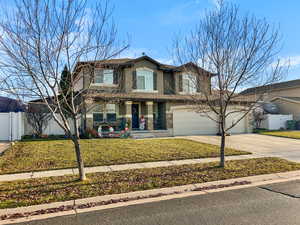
x=288, y=105
x=129, y=89
x=11, y=119
x=10, y=105
x=286, y=95
x=287, y=89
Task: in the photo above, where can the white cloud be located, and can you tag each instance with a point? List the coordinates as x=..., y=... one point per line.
x=291, y=61
x=182, y=13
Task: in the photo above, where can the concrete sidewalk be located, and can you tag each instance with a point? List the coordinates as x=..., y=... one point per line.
x=62, y=172
x=143, y=196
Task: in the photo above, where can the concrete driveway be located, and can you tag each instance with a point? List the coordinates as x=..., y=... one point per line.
x=3, y=146
x=259, y=144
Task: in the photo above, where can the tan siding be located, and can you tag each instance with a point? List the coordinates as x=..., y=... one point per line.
x=286, y=107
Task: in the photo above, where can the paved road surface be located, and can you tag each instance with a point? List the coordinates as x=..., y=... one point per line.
x=286, y=148
x=269, y=205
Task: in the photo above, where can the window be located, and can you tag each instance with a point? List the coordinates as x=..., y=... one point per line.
x=104, y=76
x=144, y=79
x=111, y=117
x=189, y=84
x=97, y=117
x=111, y=108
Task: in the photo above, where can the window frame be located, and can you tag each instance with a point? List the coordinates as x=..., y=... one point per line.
x=191, y=85
x=151, y=82
x=102, y=117
x=103, y=73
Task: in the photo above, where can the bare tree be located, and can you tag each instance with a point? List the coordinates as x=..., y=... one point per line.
x=40, y=37
x=37, y=117
x=258, y=116
x=240, y=52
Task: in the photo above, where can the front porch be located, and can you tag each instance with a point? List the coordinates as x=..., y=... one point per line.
x=147, y=115
x=137, y=116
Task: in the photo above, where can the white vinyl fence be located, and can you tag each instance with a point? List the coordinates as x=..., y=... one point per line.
x=14, y=125
x=11, y=126
x=275, y=121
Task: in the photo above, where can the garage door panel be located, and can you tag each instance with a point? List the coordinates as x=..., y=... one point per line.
x=192, y=123
x=240, y=127
x=186, y=122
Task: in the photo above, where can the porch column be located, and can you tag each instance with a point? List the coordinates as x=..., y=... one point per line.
x=128, y=113
x=149, y=115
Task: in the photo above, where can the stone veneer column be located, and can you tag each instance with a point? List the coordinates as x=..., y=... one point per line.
x=128, y=112
x=169, y=116
x=149, y=115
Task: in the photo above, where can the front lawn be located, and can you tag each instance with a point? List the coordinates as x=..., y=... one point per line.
x=287, y=134
x=58, y=154
x=46, y=190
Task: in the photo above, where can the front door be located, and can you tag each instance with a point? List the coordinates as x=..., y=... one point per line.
x=135, y=116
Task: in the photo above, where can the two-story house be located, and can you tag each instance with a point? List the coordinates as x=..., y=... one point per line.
x=132, y=89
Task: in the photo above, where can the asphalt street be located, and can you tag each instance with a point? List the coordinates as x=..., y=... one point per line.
x=276, y=204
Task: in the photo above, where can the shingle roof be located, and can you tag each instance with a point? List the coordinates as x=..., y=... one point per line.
x=286, y=84
x=11, y=105
x=158, y=97
x=128, y=61
x=296, y=99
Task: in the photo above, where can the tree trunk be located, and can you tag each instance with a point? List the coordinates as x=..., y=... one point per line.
x=79, y=159
x=223, y=136
x=80, y=163
x=222, y=150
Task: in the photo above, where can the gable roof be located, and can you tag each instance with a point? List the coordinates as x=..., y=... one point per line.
x=131, y=61
x=271, y=87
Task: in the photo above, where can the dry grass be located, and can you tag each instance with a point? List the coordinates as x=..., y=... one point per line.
x=287, y=134
x=46, y=190
x=58, y=154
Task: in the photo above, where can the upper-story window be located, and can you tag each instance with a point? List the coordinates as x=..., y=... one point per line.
x=104, y=76
x=189, y=83
x=144, y=79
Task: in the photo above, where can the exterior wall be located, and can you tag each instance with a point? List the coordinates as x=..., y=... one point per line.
x=125, y=81
x=287, y=107
x=128, y=75
x=99, y=106
x=79, y=83
x=204, y=83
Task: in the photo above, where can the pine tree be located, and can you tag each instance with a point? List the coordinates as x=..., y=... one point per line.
x=65, y=90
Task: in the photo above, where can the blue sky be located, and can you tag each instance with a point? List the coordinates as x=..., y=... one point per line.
x=152, y=24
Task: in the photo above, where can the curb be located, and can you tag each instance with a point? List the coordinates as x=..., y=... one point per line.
x=143, y=196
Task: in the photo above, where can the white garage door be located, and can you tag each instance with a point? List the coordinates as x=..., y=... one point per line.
x=191, y=123
x=4, y=129
x=186, y=122
x=240, y=127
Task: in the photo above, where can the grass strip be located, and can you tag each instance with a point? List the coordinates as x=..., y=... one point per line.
x=53, y=189
x=285, y=134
